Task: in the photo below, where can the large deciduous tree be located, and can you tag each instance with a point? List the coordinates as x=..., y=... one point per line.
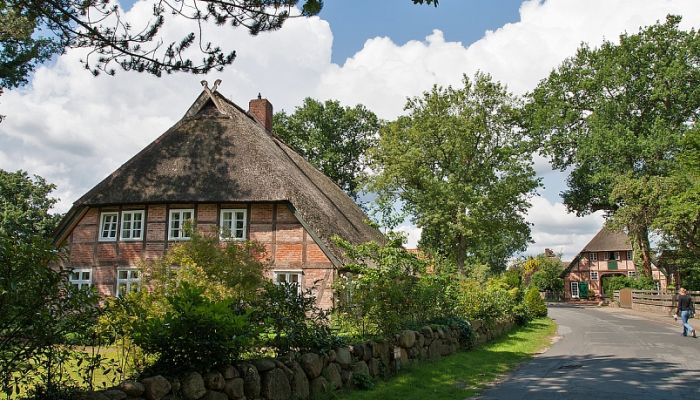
x=335, y=139
x=614, y=116
x=462, y=169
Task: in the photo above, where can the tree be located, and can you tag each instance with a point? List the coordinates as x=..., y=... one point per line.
x=615, y=117
x=335, y=139
x=32, y=31
x=462, y=169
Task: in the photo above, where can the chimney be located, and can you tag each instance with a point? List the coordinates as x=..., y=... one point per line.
x=261, y=109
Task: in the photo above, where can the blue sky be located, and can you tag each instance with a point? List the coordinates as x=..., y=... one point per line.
x=74, y=129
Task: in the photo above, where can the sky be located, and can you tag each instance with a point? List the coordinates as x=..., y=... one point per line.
x=74, y=129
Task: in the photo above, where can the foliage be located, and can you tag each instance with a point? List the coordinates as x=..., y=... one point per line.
x=548, y=275
x=335, y=139
x=292, y=321
x=464, y=374
x=385, y=288
x=618, y=282
x=462, y=169
x=195, y=333
x=534, y=303
x=475, y=301
x=615, y=117
x=362, y=381
x=25, y=206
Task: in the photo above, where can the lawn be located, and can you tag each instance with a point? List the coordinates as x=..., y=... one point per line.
x=464, y=374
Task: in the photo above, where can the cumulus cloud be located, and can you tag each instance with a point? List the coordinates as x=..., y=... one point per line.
x=74, y=129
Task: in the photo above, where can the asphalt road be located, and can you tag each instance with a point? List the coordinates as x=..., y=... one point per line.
x=604, y=353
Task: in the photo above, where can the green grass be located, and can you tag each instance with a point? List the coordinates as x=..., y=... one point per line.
x=463, y=374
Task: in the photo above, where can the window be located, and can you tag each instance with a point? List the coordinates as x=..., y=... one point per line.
x=132, y=225
x=108, y=226
x=594, y=275
x=574, y=290
x=128, y=280
x=616, y=255
x=233, y=223
x=594, y=256
x=629, y=254
x=80, y=277
x=178, y=218
x=657, y=284
x=632, y=274
x=292, y=277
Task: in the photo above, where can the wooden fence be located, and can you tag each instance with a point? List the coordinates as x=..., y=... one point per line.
x=660, y=301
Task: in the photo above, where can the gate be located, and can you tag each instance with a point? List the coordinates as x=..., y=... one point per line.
x=626, y=298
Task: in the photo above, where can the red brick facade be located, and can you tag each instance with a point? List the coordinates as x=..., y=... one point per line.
x=288, y=245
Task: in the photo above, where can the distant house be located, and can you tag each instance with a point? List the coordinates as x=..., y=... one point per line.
x=608, y=254
x=221, y=168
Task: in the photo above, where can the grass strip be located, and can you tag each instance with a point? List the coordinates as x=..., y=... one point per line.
x=463, y=374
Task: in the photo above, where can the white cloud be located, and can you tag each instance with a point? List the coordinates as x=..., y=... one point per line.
x=74, y=129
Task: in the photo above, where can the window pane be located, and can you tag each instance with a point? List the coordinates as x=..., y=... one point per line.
x=123, y=274
x=134, y=274
x=294, y=278
x=75, y=276
x=281, y=278
x=86, y=276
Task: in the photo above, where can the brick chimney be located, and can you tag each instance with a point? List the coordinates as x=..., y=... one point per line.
x=261, y=109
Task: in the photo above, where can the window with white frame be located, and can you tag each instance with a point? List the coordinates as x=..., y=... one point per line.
x=80, y=277
x=574, y=290
x=128, y=280
x=290, y=277
x=178, y=219
x=594, y=256
x=629, y=254
x=233, y=223
x=108, y=226
x=594, y=275
x=616, y=255
x=657, y=284
x=132, y=225
x=632, y=274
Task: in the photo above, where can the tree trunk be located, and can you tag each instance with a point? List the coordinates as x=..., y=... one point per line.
x=641, y=239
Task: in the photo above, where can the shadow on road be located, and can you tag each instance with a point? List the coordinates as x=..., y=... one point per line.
x=579, y=377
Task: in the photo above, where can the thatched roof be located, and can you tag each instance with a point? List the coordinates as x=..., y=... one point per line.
x=220, y=153
x=608, y=240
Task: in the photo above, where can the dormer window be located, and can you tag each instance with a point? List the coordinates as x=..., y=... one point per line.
x=108, y=226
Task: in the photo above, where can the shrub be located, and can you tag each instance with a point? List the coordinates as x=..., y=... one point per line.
x=475, y=301
x=534, y=304
x=291, y=321
x=196, y=333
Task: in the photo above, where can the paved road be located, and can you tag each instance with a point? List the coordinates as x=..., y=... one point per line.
x=605, y=353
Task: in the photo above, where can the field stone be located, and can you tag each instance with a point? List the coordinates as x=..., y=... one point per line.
x=251, y=381
x=214, y=380
x=275, y=385
x=367, y=351
x=156, y=387
x=373, y=366
x=264, y=364
x=174, y=384
x=346, y=376
x=192, y=386
x=343, y=357
x=360, y=368
x=332, y=375
x=407, y=339
x=319, y=388
x=132, y=388
x=230, y=372
x=312, y=364
x=91, y=396
x=427, y=332
x=358, y=351
x=114, y=394
x=299, y=382
x=234, y=388
x=214, y=395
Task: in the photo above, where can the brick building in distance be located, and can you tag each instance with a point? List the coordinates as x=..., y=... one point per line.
x=608, y=254
x=222, y=168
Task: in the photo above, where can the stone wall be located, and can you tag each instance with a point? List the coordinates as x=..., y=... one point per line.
x=309, y=375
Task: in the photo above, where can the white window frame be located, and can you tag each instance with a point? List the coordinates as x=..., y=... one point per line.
x=113, y=228
x=180, y=212
x=130, y=280
x=658, y=285
x=573, y=285
x=616, y=254
x=230, y=232
x=131, y=229
x=630, y=255
x=594, y=256
x=632, y=274
x=594, y=275
x=80, y=281
x=288, y=274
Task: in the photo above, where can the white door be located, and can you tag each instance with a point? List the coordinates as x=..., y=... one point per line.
x=574, y=290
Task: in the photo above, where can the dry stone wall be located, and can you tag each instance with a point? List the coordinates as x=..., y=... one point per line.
x=308, y=375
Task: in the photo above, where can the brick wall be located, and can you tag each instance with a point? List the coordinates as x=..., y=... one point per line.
x=286, y=243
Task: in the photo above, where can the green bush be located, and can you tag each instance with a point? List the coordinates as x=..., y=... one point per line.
x=534, y=304
x=291, y=321
x=619, y=282
x=197, y=333
x=476, y=301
